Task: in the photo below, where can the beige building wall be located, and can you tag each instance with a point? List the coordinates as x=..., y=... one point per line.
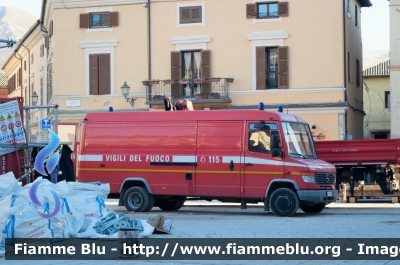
x=318, y=40
x=394, y=7
x=377, y=114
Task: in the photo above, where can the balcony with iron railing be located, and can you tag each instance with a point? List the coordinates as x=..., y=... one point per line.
x=208, y=90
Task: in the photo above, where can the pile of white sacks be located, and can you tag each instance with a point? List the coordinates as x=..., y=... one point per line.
x=82, y=204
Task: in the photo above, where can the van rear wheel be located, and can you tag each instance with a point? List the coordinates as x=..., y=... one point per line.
x=284, y=202
x=317, y=208
x=171, y=205
x=136, y=199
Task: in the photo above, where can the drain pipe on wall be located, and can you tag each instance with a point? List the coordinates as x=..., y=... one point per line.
x=44, y=2
x=344, y=65
x=149, y=48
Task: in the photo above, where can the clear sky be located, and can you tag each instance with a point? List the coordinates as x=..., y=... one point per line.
x=375, y=25
x=374, y=20
x=30, y=6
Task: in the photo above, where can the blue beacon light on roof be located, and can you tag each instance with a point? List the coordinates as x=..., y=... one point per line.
x=261, y=106
x=280, y=108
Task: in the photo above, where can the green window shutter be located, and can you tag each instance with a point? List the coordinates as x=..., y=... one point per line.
x=196, y=14
x=206, y=70
x=84, y=20
x=176, y=61
x=184, y=15
x=94, y=74
x=283, y=9
x=261, y=82
x=104, y=74
x=283, y=67
x=113, y=19
x=251, y=10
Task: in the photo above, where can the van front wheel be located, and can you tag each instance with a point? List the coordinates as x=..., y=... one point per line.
x=136, y=199
x=284, y=202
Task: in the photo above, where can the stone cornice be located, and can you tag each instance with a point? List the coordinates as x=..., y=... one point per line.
x=268, y=35
x=99, y=43
x=191, y=39
x=289, y=91
x=56, y=4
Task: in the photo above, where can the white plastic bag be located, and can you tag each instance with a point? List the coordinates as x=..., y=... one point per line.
x=88, y=199
x=60, y=188
x=8, y=185
x=67, y=222
x=4, y=214
x=24, y=222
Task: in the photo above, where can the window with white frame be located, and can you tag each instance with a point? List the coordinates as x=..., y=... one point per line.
x=99, y=66
x=190, y=15
x=266, y=10
x=99, y=19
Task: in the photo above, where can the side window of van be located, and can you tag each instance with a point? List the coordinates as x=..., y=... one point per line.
x=259, y=139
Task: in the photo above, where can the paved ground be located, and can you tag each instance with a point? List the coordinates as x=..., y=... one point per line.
x=212, y=220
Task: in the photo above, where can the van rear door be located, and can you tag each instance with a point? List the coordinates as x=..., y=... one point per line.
x=259, y=166
x=219, y=160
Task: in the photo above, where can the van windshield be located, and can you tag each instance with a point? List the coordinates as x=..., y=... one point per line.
x=299, y=140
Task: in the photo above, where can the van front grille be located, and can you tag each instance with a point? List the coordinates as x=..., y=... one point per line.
x=325, y=178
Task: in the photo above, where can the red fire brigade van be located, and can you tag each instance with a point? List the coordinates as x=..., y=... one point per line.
x=247, y=156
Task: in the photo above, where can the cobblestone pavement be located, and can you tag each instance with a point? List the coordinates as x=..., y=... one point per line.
x=216, y=220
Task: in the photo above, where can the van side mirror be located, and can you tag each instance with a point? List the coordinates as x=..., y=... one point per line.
x=275, y=141
x=276, y=152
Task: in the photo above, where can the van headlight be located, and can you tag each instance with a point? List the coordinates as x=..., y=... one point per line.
x=308, y=178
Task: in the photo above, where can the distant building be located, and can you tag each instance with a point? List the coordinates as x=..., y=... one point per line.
x=3, y=85
x=377, y=101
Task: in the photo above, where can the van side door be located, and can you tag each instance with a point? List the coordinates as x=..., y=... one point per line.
x=219, y=158
x=259, y=166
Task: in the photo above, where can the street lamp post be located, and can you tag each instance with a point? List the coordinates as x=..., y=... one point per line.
x=125, y=88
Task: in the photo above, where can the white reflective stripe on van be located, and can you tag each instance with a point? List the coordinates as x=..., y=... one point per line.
x=260, y=161
x=228, y=159
x=263, y=161
x=184, y=159
x=90, y=158
x=321, y=166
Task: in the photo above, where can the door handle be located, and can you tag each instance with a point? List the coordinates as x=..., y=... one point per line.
x=102, y=165
x=248, y=164
x=231, y=166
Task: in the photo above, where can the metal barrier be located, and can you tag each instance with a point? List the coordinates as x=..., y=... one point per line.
x=203, y=90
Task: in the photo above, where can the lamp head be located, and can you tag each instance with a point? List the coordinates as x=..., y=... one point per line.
x=34, y=98
x=125, y=89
